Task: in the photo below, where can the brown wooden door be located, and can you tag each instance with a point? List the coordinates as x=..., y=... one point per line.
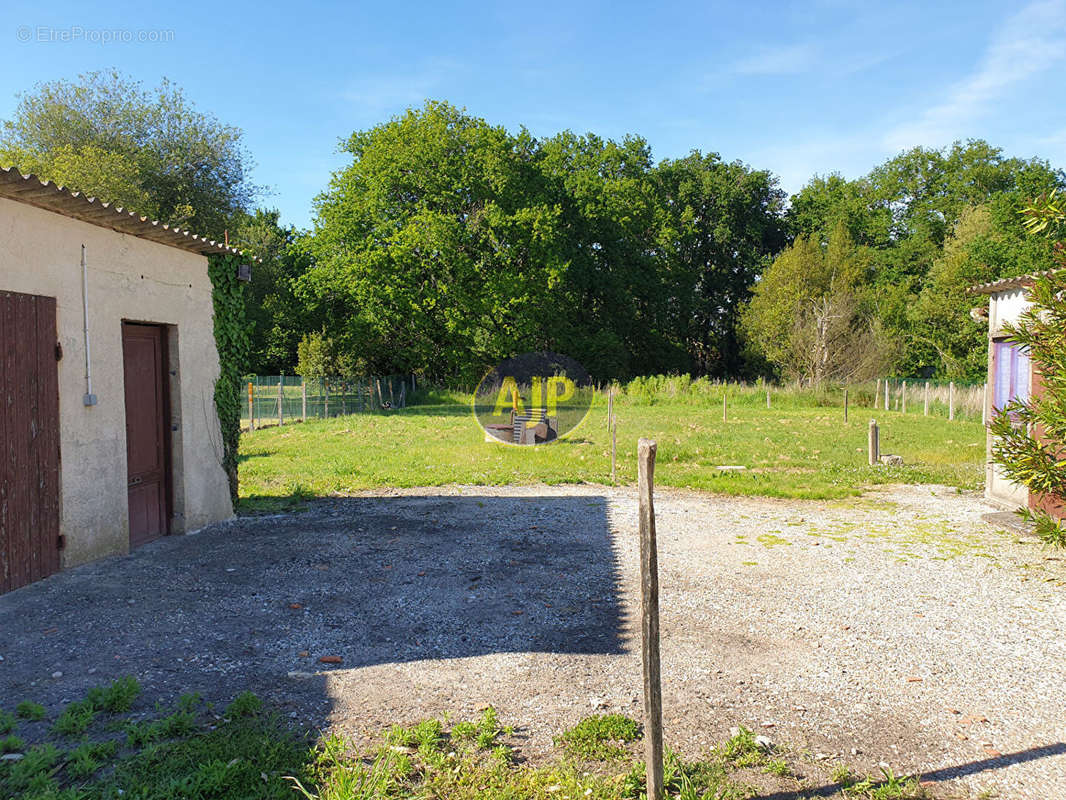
x=29, y=440
x=147, y=459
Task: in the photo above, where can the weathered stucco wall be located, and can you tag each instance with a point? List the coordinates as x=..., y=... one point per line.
x=139, y=281
x=1003, y=307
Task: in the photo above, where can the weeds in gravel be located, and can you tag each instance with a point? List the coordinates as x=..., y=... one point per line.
x=246, y=753
x=7, y=722
x=75, y=719
x=888, y=787
x=600, y=737
x=30, y=711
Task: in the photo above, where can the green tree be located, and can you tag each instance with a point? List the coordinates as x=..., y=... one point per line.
x=720, y=225
x=812, y=315
x=278, y=317
x=106, y=136
x=435, y=249
x=906, y=211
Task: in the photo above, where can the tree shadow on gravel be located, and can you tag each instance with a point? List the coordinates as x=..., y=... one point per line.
x=257, y=602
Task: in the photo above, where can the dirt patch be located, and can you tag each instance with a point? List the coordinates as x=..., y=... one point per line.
x=896, y=629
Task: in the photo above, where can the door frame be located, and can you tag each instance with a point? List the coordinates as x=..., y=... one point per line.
x=164, y=388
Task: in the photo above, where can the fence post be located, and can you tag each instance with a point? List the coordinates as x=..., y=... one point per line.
x=251, y=407
x=649, y=607
x=767, y=398
x=325, y=393
x=984, y=404
x=614, y=447
x=926, y=411
x=610, y=407
x=951, y=400
x=877, y=391
x=845, y=403
x=281, y=403
x=887, y=398
x=873, y=443
x=303, y=398
x=903, y=397
x=725, y=407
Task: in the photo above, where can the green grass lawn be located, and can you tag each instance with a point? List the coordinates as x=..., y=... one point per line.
x=795, y=449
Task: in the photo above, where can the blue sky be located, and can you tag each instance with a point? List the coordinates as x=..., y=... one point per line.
x=797, y=88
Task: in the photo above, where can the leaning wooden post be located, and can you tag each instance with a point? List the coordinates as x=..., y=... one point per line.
x=251, y=407
x=926, y=409
x=951, y=400
x=874, y=443
x=903, y=398
x=845, y=404
x=303, y=399
x=281, y=403
x=649, y=608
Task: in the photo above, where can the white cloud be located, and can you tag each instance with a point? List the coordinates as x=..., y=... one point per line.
x=1031, y=42
x=381, y=95
x=788, y=60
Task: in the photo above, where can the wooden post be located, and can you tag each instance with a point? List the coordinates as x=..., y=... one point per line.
x=877, y=390
x=381, y=397
x=281, y=403
x=610, y=408
x=903, y=397
x=845, y=403
x=649, y=620
x=951, y=400
x=303, y=399
x=767, y=398
x=251, y=407
x=392, y=397
x=874, y=443
x=886, y=394
x=725, y=407
x=614, y=447
x=984, y=404
x=926, y=409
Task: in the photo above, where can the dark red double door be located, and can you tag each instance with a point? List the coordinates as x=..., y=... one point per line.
x=144, y=357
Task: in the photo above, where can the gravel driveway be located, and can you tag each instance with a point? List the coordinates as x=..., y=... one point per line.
x=898, y=628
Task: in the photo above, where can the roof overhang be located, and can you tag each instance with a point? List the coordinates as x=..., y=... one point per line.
x=51, y=197
x=1008, y=284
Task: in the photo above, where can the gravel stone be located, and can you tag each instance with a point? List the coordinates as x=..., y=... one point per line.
x=816, y=615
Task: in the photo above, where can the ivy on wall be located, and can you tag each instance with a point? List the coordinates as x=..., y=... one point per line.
x=233, y=342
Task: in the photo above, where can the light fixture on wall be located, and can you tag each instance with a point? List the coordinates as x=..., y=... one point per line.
x=244, y=272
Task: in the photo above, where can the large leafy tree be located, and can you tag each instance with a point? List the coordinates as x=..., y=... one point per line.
x=436, y=248
x=915, y=214
x=812, y=314
x=149, y=150
x=721, y=223
x=278, y=318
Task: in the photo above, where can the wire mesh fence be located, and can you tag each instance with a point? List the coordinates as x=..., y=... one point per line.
x=277, y=399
